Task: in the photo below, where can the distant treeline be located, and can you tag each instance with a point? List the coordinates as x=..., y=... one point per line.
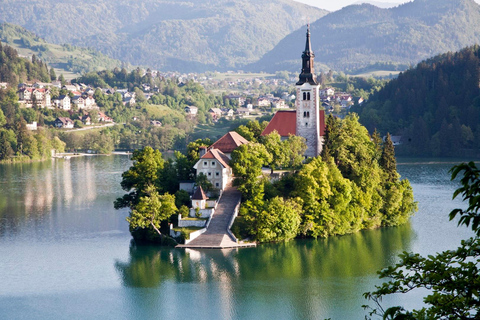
x=435, y=106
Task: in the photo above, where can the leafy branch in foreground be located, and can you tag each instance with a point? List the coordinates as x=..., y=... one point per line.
x=452, y=277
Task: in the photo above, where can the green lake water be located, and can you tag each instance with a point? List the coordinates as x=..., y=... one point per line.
x=65, y=253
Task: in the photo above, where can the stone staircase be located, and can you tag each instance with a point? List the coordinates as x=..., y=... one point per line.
x=217, y=236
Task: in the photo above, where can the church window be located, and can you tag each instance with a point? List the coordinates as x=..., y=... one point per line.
x=308, y=95
x=308, y=114
x=306, y=124
x=304, y=96
x=304, y=114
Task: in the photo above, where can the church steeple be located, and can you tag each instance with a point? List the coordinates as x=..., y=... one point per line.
x=308, y=73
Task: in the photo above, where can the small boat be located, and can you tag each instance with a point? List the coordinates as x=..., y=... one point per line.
x=67, y=157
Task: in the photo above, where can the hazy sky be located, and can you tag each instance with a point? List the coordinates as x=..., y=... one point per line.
x=333, y=5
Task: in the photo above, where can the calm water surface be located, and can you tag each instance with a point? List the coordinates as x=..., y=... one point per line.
x=65, y=253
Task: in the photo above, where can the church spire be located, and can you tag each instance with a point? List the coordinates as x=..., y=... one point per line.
x=308, y=73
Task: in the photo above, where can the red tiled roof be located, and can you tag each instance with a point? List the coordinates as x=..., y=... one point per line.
x=199, y=194
x=229, y=142
x=284, y=122
x=217, y=155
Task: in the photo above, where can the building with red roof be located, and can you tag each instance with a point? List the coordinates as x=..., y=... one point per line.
x=229, y=142
x=214, y=165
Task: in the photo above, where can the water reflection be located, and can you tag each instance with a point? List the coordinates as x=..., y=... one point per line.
x=44, y=193
x=304, y=274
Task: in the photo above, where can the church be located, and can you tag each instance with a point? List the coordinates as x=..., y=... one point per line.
x=307, y=120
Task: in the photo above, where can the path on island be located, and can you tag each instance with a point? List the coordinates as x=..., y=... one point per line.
x=217, y=236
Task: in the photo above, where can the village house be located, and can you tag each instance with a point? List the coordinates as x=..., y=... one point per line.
x=327, y=92
x=102, y=117
x=32, y=126
x=239, y=99
x=214, y=165
x=243, y=112
x=70, y=87
x=79, y=102
x=191, y=110
x=216, y=113
x=263, y=102
x=63, y=122
x=86, y=120
x=63, y=102
x=30, y=96
x=278, y=103
x=229, y=142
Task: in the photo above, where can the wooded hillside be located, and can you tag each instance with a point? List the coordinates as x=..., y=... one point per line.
x=435, y=106
x=168, y=35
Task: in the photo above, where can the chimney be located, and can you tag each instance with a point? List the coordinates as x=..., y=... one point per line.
x=201, y=151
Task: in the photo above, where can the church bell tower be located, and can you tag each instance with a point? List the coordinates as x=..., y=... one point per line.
x=307, y=103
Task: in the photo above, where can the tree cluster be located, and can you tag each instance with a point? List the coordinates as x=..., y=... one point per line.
x=152, y=186
x=354, y=185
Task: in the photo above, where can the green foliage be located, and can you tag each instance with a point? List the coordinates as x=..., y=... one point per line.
x=145, y=171
x=77, y=60
x=434, y=106
x=451, y=278
x=202, y=181
x=151, y=210
x=343, y=191
x=279, y=221
x=387, y=160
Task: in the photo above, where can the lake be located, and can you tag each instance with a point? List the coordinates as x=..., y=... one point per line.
x=65, y=253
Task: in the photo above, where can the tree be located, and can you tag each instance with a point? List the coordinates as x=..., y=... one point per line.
x=279, y=221
x=387, y=160
x=452, y=277
x=145, y=170
x=53, y=76
x=6, y=150
x=151, y=210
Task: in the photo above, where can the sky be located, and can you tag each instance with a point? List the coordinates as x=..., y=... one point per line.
x=333, y=5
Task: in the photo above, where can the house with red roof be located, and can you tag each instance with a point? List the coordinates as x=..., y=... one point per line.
x=229, y=142
x=214, y=165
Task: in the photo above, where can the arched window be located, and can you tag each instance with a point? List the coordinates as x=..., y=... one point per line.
x=308, y=114
x=308, y=95
x=304, y=114
x=304, y=96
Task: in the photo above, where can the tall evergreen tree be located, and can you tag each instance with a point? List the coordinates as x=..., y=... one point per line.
x=387, y=160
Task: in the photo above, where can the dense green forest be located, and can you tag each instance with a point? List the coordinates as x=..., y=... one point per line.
x=168, y=35
x=435, y=106
x=369, y=38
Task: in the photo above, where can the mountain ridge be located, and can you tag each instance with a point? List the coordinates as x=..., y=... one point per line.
x=361, y=35
x=176, y=36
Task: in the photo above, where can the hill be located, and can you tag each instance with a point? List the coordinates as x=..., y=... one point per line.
x=365, y=36
x=62, y=57
x=435, y=106
x=181, y=36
